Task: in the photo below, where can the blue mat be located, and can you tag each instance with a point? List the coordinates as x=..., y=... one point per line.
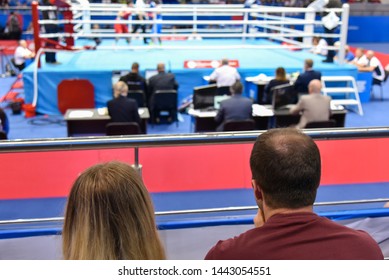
x=97, y=66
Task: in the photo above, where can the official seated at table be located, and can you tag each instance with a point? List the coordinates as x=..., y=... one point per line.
x=235, y=108
x=280, y=79
x=134, y=80
x=224, y=76
x=121, y=108
x=313, y=107
x=303, y=80
x=161, y=81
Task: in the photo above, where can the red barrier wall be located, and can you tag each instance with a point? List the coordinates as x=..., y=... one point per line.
x=184, y=168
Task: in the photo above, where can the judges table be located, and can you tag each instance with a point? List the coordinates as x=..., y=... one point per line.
x=264, y=117
x=83, y=122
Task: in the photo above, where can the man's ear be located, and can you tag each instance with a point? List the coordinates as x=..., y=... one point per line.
x=257, y=190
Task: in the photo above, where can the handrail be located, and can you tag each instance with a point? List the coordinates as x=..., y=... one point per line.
x=86, y=143
x=201, y=211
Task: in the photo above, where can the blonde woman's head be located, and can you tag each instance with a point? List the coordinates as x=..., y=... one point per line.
x=110, y=216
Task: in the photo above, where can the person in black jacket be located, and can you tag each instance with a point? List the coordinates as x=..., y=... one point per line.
x=303, y=80
x=280, y=79
x=121, y=108
x=133, y=80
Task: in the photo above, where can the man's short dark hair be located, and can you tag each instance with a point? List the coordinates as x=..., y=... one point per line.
x=236, y=88
x=286, y=165
x=135, y=65
x=309, y=62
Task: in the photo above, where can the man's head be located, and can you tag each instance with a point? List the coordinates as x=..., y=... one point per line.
x=369, y=54
x=225, y=61
x=308, y=64
x=314, y=86
x=236, y=88
x=23, y=43
x=135, y=67
x=161, y=67
x=120, y=89
x=286, y=169
x=359, y=52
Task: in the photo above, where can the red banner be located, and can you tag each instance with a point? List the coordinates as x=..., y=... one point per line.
x=192, y=64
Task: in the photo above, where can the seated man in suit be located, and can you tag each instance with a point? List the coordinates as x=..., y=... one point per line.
x=303, y=80
x=161, y=81
x=314, y=107
x=121, y=108
x=235, y=108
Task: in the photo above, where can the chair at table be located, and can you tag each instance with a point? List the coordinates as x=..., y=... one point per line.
x=139, y=96
x=322, y=124
x=380, y=84
x=123, y=128
x=243, y=125
x=164, y=101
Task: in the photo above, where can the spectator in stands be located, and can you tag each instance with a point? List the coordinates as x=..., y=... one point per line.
x=133, y=80
x=314, y=107
x=13, y=27
x=21, y=54
x=224, y=76
x=4, y=123
x=121, y=108
x=360, y=57
x=301, y=84
x=375, y=66
x=109, y=216
x=235, y=108
x=286, y=168
x=280, y=79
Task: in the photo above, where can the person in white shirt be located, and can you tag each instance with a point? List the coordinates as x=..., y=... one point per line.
x=374, y=66
x=319, y=46
x=360, y=58
x=21, y=54
x=224, y=76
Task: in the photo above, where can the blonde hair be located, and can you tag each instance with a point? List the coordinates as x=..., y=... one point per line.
x=120, y=89
x=109, y=216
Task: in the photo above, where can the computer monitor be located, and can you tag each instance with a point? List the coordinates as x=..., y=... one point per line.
x=204, y=96
x=283, y=95
x=150, y=72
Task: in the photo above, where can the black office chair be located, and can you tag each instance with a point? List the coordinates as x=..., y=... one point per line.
x=242, y=125
x=322, y=124
x=164, y=101
x=380, y=84
x=122, y=128
x=139, y=96
x=3, y=135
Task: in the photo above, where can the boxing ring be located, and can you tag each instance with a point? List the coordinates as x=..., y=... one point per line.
x=261, y=38
x=200, y=185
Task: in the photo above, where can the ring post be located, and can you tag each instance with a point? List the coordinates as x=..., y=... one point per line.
x=35, y=25
x=136, y=165
x=343, y=33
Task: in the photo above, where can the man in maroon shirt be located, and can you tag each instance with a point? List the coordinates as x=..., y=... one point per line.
x=286, y=169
